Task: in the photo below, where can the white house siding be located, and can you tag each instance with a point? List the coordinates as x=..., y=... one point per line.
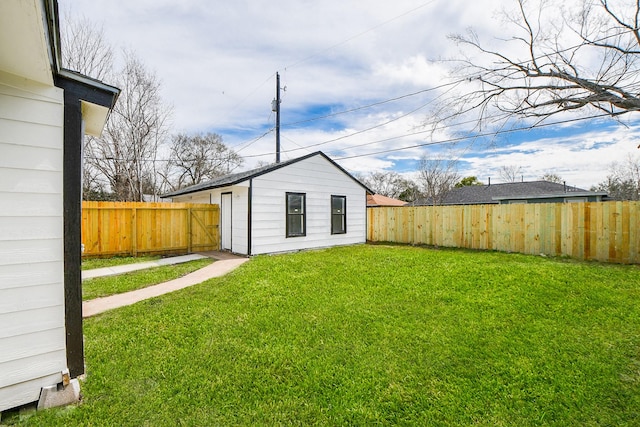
x=32, y=322
x=319, y=179
x=239, y=211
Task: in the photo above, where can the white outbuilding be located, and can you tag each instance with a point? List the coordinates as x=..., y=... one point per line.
x=44, y=111
x=308, y=202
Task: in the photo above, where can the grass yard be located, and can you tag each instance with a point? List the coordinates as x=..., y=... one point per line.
x=111, y=285
x=373, y=335
x=91, y=263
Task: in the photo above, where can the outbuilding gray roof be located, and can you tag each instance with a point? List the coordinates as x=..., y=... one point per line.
x=236, y=178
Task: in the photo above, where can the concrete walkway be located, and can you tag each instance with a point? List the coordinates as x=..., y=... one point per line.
x=224, y=263
x=126, y=268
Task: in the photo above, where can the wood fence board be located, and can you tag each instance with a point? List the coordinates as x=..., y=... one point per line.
x=123, y=228
x=625, y=245
x=634, y=231
x=603, y=231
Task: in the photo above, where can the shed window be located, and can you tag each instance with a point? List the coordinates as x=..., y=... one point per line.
x=338, y=214
x=296, y=209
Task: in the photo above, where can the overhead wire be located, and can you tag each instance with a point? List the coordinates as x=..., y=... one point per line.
x=362, y=107
x=328, y=49
x=375, y=104
x=466, y=78
x=235, y=107
x=474, y=136
x=373, y=127
x=253, y=141
x=295, y=64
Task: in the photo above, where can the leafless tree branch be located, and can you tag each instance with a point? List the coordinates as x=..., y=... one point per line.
x=199, y=158
x=600, y=71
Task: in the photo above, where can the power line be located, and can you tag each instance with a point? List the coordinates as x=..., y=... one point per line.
x=411, y=134
x=253, y=141
x=362, y=107
x=454, y=83
x=464, y=138
x=295, y=64
x=502, y=116
x=470, y=76
x=445, y=141
x=539, y=124
x=235, y=107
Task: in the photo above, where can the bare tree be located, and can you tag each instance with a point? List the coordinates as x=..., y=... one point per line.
x=623, y=183
x=437, y=177
x=201, y=157
x=126, y=153
x=511, y=173
x=85, y=48
x=389, y=183
x=123, y=160
x=556, y=60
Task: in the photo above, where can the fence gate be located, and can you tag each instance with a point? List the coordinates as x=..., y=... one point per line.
x=126, y=228
x=204, y=233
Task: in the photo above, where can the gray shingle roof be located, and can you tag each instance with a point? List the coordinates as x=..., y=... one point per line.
x=484, y=194
x=236, y=178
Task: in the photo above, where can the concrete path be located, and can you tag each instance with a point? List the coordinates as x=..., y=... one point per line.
x=120, y=269
x=224, y=263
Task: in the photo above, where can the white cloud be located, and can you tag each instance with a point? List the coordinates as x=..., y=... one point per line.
x=582, y=159
x=415, y=71
x=217, y=62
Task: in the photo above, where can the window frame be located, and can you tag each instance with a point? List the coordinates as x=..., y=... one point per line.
x=343, y=215
x=289, y=233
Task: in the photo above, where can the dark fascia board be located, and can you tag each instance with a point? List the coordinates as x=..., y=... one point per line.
x=553, y=196
x=98, y=93
x=52, y=24
x=89, y=89
x=261, y=171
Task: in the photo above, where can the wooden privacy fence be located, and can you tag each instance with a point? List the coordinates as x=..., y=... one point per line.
x=127, y=228
x=604, y=231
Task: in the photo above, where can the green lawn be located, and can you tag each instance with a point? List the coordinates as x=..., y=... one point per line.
x=111, y=285
x=91, y=263
x=373, y=335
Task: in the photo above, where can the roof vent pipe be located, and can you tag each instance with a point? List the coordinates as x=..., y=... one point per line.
x=489, y=182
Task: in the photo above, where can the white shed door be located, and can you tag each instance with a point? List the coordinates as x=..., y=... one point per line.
x=225, y=221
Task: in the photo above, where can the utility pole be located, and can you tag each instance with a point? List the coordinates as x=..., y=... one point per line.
x=276, y=108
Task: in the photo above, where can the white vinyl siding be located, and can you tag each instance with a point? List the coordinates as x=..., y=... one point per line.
x=319, y=179
x=239, y=211
x=32, y=323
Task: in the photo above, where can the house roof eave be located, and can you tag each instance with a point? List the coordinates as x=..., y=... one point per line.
x=552, y=196
x=254, y=173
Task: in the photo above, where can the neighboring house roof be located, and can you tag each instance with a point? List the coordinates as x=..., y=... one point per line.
x=494, y=193
x=239, y=177
x=380, y=200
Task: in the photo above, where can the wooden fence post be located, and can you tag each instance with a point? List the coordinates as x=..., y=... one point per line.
x=134, y=231
x=189, y=234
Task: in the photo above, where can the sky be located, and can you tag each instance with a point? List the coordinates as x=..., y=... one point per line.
x=358, y=81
